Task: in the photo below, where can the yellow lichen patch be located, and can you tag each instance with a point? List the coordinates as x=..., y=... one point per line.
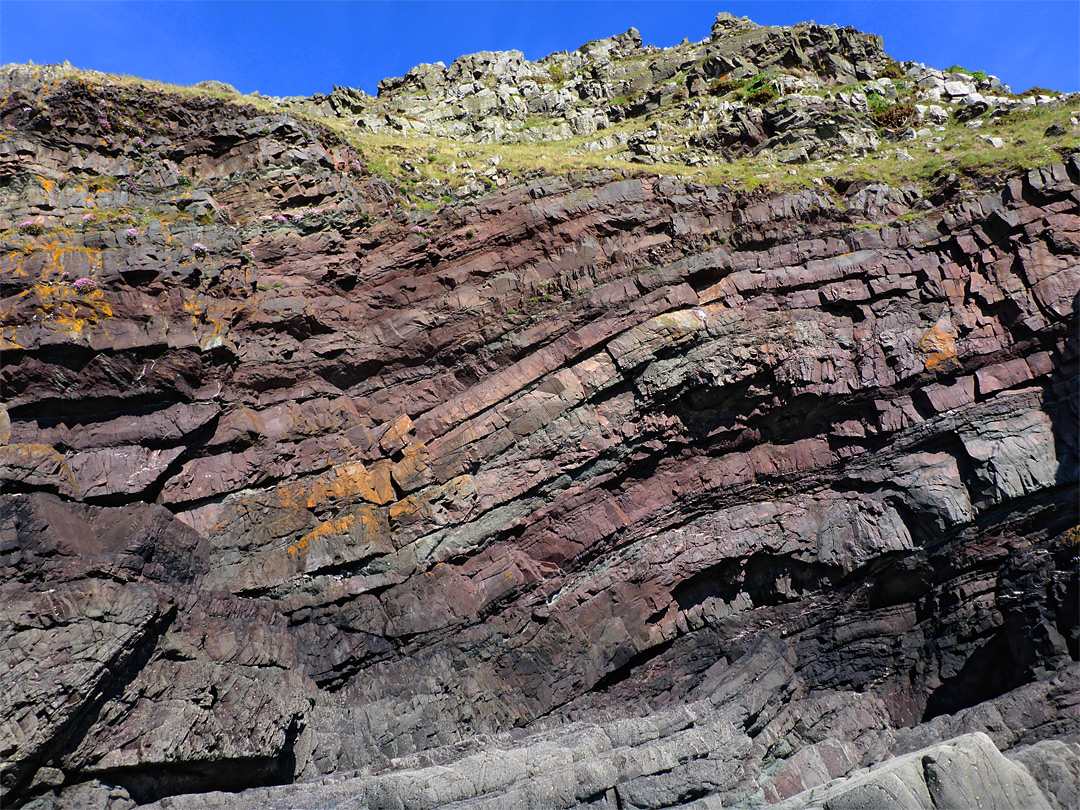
x=1071, y=537
x=337, y=526
x=412, y=471
x=208, y=319
x=440, y=504
x=65, y=259
x=361, y=526
x=939, y=346
x=49, y=262
x=8, y=335
x=348, y=538
x=64, y=309
x=350, y=481
x=290, y=504
x=405, y=511
x=396, y=436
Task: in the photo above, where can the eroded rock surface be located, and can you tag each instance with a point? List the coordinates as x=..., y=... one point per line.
x=601, y=490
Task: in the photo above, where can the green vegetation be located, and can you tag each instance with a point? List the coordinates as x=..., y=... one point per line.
x=759, y=90
x=961, y=151
x=977, y=75
x=877, y=103
x=412, y=163
x=533, y=121
x=722, y=86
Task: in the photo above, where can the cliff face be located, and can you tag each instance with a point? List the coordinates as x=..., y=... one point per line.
x=597, y=490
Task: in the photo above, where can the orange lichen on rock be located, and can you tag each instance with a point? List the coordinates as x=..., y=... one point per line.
x=939, y=345
x=353, y=480
x=358, y=527
x=337, y=526
x=8, y=341
x=208, y=320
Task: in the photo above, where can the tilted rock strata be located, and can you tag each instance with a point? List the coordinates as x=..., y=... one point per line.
x=345, y=490
x=964, y=772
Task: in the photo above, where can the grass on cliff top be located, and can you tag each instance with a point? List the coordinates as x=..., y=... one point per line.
x=962, y=150
x=967, y=152
x=184, y=91
x=386, y=153
x=412, y=162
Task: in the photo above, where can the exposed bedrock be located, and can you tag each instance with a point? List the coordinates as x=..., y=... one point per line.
x=622, y=491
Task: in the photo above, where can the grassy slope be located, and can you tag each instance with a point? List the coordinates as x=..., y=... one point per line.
x=963, y=150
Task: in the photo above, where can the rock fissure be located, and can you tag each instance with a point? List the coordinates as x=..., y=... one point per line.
x=588, y=488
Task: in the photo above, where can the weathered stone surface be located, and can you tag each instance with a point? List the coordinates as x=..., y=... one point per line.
x=1055, y=766
x=961, y=773
x=547, y=499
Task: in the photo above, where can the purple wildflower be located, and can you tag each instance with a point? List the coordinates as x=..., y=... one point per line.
x=85, y=284
x=280, y=218
x=89, y=218
x=199, y=248
x=132, y=234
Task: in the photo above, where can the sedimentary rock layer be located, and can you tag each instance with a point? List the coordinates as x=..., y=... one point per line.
x=603, y=490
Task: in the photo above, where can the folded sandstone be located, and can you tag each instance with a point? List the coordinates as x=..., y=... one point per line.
x=603, y=489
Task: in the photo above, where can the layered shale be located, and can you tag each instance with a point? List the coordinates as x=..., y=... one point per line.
x=600, y=489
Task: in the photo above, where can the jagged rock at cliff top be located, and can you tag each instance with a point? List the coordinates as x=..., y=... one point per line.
x=813, y=81
x=597, y=490
x=496, y=96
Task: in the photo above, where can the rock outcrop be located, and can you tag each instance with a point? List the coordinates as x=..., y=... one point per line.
x=599, y=490
x=793, y=94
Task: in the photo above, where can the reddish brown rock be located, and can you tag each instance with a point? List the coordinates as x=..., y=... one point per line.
x=582, y=464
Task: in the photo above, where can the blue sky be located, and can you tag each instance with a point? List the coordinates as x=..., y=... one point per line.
x=300, y=48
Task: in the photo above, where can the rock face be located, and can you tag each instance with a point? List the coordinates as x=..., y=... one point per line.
x=597, y=491
x=795, y=94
